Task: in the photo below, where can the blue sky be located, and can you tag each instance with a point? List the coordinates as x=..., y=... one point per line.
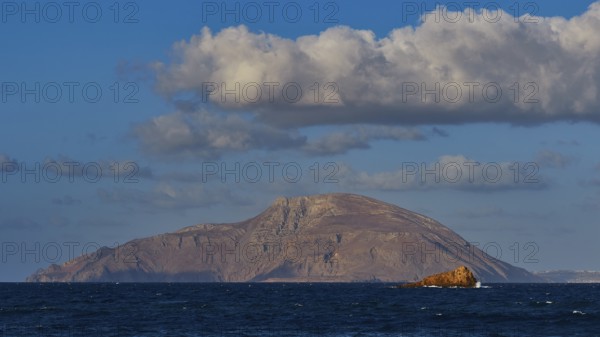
x=152, y=60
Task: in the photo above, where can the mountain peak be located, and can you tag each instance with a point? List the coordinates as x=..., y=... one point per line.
x=329, y=198
x=334, y=204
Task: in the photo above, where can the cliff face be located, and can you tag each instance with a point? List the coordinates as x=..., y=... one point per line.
x=332, y=237
x=459, y=277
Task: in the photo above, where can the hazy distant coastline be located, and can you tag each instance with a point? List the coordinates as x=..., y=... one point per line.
x=569, y=276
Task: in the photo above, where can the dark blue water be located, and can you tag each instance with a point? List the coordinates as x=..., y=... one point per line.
x=297, y=310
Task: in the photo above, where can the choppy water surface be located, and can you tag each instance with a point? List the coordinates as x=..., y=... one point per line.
x=283, y=309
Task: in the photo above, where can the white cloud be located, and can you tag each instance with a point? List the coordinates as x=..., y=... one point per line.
x=359, y=138
x=448, y=172
x=8, y=164
x=165, y=196
x=205, y=135
x=499, y=212
x=67, y=200
x=552, y=159
x=371, y=74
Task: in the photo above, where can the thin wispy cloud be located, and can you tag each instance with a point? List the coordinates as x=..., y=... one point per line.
x=553, y=159
x=205, y=135
x=340, y=142
x=454, y=172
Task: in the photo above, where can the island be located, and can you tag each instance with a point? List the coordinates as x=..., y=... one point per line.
x=336, y=237
x=459, y=277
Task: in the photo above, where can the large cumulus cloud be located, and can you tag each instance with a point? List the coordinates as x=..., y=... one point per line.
x=555, y=62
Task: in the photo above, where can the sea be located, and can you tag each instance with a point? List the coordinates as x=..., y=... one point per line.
x=296, y=309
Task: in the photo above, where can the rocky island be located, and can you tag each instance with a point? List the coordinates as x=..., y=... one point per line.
x=319, y=238
x=459, y=277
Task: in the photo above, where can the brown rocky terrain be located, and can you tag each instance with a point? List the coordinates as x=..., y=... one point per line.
x=459, y=277
x=320, y=238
